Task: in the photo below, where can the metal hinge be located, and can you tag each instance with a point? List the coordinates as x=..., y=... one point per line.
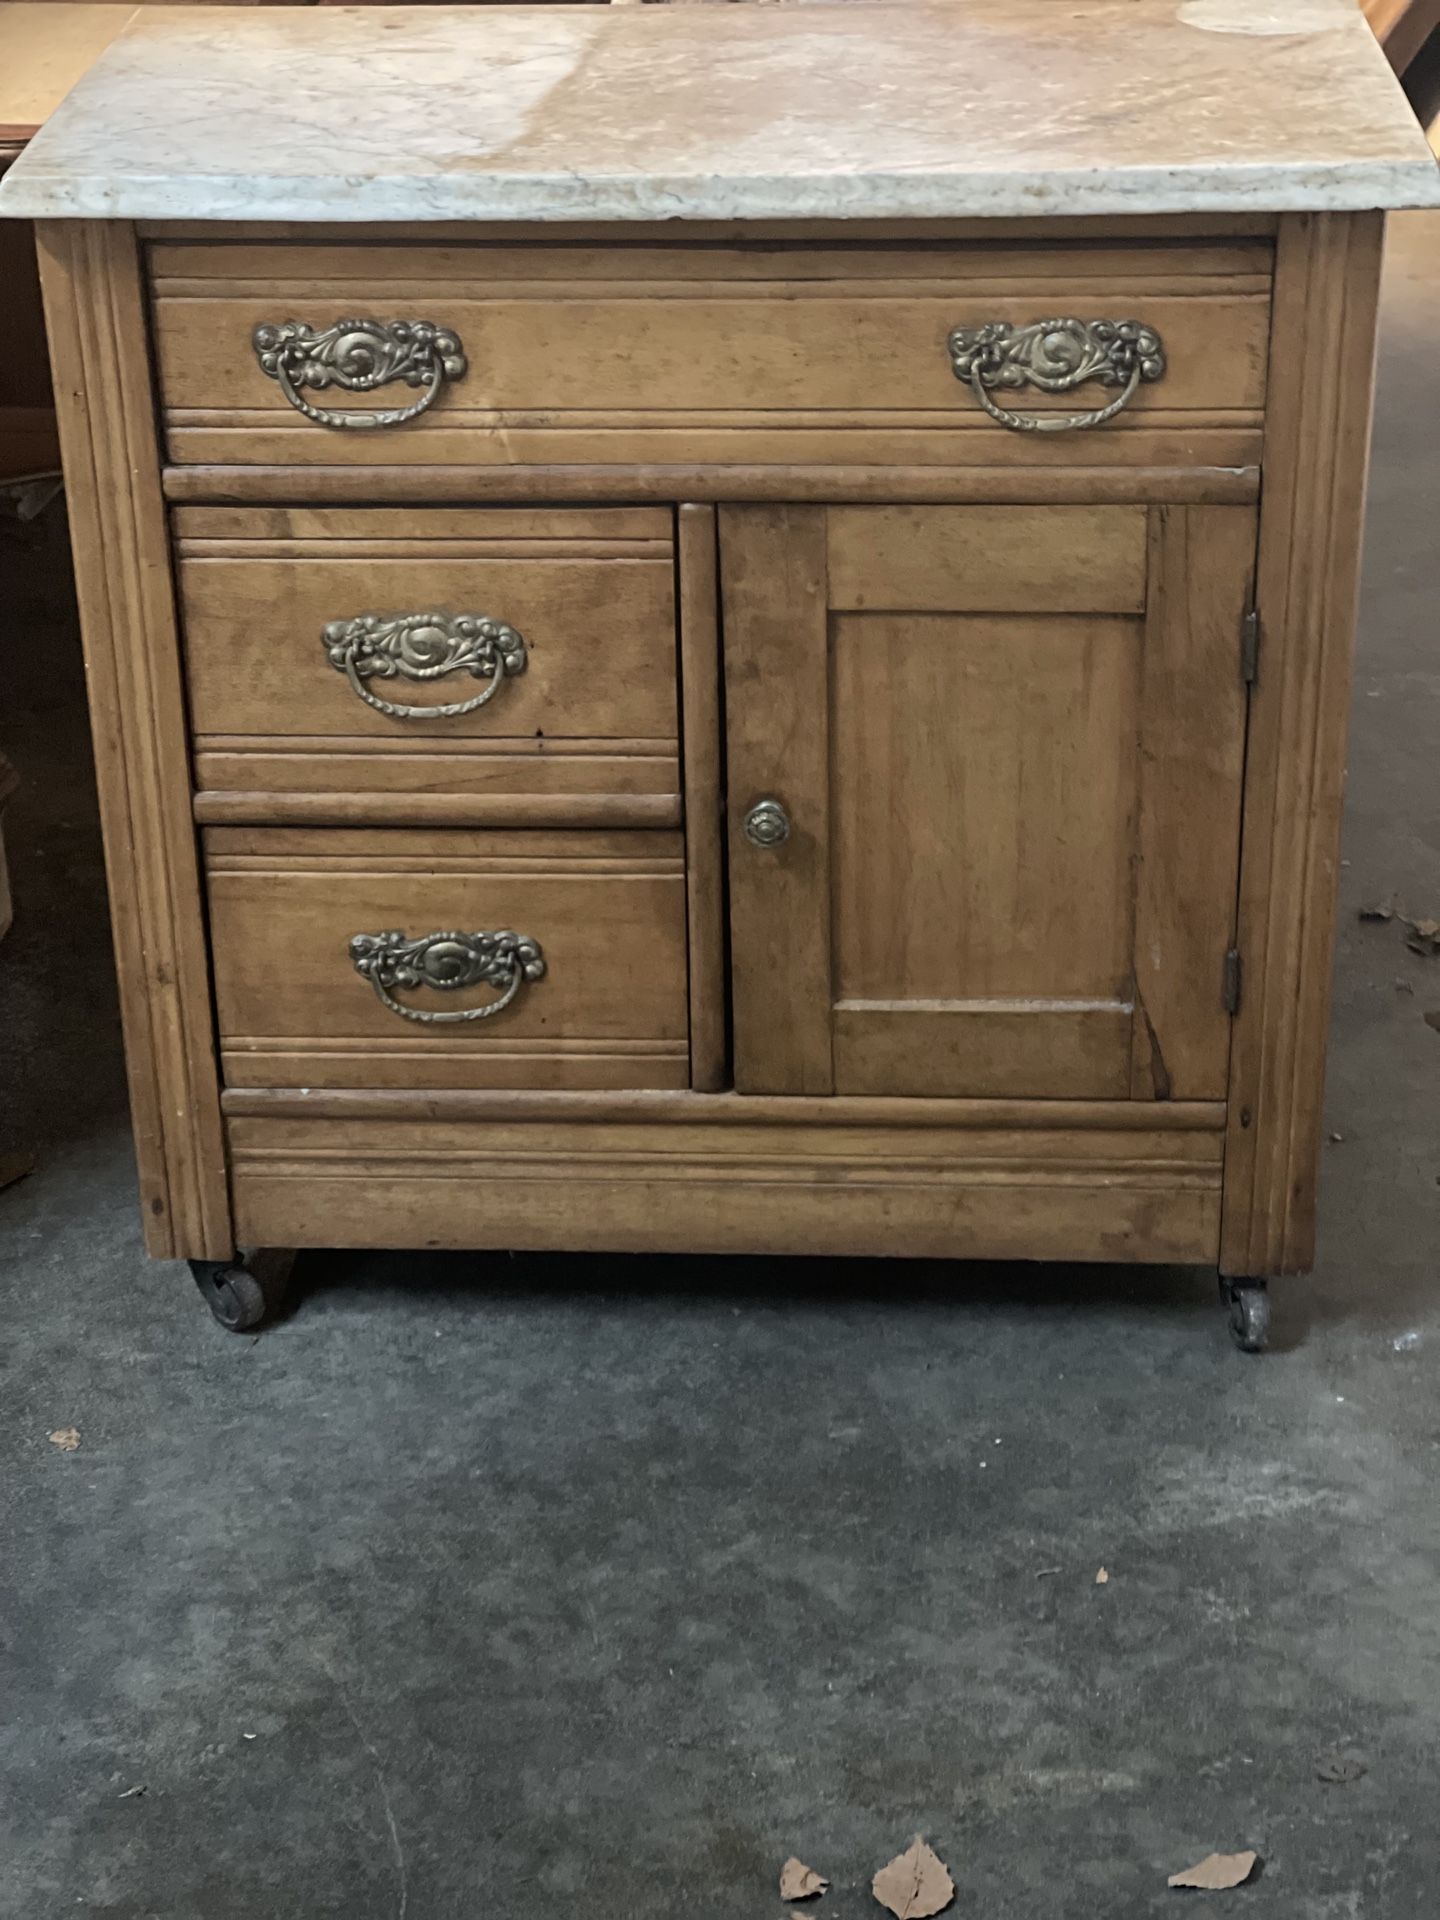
x=1250, y=646
x=1230, y=982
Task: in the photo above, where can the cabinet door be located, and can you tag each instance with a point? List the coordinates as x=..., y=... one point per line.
x=1009, y=745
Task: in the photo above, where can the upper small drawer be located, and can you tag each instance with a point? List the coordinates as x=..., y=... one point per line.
x=900, y=355
x=463, y=664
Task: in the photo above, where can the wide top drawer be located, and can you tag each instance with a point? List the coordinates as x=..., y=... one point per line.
x=378, y=354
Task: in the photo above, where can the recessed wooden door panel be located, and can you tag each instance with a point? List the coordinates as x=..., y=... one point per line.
x=1009, y=743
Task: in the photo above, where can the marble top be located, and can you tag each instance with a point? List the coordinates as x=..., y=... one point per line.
x=926, y=109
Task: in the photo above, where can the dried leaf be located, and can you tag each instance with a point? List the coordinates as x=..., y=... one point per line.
x=1379, y=910
x=915, y=1883
x=1340, y=1766
x=1427, y=929
x=1102, y=1578
x=1216, y=1872
x=799, y=1882
x=67, y=1439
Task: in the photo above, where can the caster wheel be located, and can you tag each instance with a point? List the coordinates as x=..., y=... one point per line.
x=235, y=1297
x=241, y=1292
x=1248, y=1305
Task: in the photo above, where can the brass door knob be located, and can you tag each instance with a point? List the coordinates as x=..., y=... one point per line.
x=767, y=824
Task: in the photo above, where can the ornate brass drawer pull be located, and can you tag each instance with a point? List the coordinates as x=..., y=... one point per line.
x=447, y=962
x=423, y=646
x=1056, y=356
x=359, y=356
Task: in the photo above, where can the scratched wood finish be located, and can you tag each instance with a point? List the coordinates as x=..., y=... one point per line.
x=1121, y=1193
x=597, y=355
x=1317, y=445
x=784, y=482
x=732, y=1109
x=961, y=906
x=95, y=312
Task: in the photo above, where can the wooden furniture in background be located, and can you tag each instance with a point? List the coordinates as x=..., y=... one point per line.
x=1402, y=27
x=44, y=49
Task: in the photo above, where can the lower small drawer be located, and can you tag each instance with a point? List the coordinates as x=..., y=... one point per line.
x=381, y=958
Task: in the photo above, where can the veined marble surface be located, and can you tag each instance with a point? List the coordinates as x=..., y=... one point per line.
x=929, y=108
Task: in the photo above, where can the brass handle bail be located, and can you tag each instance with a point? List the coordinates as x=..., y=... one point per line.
x=423, y=646
x=448, y=962
x=1055, y=356
x=358, y=356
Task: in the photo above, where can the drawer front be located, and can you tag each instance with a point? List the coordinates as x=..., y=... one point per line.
x=474, y=664
x=589, y=993
x=627, y=354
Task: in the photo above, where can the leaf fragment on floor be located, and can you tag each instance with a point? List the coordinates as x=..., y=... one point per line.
x=1422, y=935
x=799, y=1882
x=915, y=1883
x=1340, y=1766
x=1102, y=1578
x=1217, y=1872
x=67, y=1439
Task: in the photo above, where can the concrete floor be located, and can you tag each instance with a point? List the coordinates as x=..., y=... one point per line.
x=597, y=1586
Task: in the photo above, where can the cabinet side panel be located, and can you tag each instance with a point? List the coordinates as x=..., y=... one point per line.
x=1317, y=443
x=95, y=313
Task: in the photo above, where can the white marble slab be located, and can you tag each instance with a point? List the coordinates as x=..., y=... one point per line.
x=931, y=108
